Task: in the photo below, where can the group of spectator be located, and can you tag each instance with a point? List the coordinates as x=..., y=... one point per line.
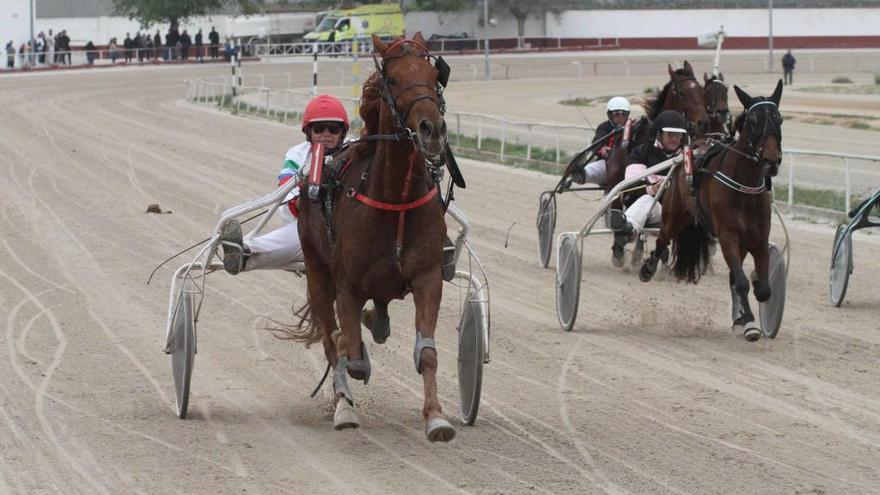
x=55, y=49
x=43, y=49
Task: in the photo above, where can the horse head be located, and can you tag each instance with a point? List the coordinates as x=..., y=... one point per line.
x=761, y=127
x=715, y=96
x=688, y=95
x=412, y=93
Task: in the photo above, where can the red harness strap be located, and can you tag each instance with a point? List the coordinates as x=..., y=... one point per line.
x=402, y=207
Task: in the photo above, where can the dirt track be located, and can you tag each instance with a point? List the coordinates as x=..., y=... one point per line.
x=648, y=394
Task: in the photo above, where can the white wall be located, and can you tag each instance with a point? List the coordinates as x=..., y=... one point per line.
x=468, y=22
x=688, y=23
x=14, y=23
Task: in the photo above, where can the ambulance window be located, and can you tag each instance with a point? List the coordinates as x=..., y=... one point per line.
x=365, y=24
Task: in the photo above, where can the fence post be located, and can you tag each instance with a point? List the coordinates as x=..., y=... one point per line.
x=846, y=204
x=557, y=149
x=286, y=104
x=458, y=130
x=503, y=138
x=529, y=143
x=315, y=72
x=790, y=181
x=479, y=131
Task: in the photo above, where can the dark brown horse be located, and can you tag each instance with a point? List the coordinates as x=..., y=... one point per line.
x=383, y=237
x=729, y=200
x=683, y=94
x=715, y=96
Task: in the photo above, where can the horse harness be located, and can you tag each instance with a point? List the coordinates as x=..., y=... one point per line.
x=332, y=179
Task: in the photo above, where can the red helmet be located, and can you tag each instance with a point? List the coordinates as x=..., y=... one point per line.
x=325, y=108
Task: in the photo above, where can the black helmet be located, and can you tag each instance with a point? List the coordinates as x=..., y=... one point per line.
x=670, y=121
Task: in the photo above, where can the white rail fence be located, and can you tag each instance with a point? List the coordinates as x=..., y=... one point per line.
x=850, y=175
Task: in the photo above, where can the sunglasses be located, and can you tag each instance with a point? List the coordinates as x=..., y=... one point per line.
x=334, y=129
x=618, y=113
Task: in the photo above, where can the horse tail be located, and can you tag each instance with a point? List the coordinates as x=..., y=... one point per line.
x=690, y=253
x=304, y=330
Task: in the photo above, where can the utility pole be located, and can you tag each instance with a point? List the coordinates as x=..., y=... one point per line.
x=486, y=37
x=770, y=38
x=33, y=43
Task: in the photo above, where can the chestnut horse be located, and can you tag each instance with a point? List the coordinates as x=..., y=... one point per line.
x=734, y=207
x=378, y=232
x=683, y=94
x=715, y=96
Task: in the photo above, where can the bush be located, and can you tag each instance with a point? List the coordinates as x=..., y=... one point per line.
x=841, y=80
x=877, y=79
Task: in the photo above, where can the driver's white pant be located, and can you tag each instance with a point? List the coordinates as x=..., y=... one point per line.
x=277, y=250
x=640, y=213
x=595, y=172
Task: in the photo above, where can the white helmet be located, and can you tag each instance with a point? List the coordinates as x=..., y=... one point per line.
x=617, y=103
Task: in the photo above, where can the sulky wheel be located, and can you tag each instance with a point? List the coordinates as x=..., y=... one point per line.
x=771, y=310
x=546, y=224
x=568, y=281
x=182, y=345
x=471, y=350
x=841, y=265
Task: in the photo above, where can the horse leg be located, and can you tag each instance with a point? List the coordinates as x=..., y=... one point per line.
x=427, y=292
x=761, y=255
x=743, y=319
x=321, y=298
x=351, y=359
x=672, y=225
x=377, y=321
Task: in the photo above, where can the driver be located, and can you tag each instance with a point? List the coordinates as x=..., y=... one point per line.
x=617, y=111
x=670, y=131
x=325, y=121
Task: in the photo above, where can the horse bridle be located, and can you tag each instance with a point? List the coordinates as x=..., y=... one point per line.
x=757, y=140
x=391, y=100
x=714, y=112
x=691, y=126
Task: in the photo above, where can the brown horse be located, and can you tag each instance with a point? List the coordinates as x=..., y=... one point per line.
x=378, y=232
x=715, y=96
x=734, y=207
x=683, y=94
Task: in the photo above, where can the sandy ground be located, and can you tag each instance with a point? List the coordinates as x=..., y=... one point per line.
x=649, y=393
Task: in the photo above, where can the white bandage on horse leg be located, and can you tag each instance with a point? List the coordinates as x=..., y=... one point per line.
x=340, y=380
x=421, y=343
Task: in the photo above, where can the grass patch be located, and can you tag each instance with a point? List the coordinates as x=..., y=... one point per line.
x=589, y=101
x=542, y=159
x=841, y=80
x=819, y=198
x=877, y=79
x=856, y=89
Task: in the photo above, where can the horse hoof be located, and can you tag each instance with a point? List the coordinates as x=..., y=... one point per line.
x=752, y=332
x=378, y=323
x=345, y=417
x=439, y=430
x=649, y=268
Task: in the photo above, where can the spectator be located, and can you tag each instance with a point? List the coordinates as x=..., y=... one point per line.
x=138, y=43
x=10, y=55
x=172, y=40
x=788, y=62
x=148, y=46
x=91, y=53
x=185, y=43
x=200, y=56
x=214, y=39
x=228, y=49
x=50, y=48
x=40, y=48
x=157, y=45
x=22, y=55
x=63, y=45
x=114, y=50
x=128, y=46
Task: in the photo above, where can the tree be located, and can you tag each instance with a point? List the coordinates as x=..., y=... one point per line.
x=149, y=12
x=520, y=9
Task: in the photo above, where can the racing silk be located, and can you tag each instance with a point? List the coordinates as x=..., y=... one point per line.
x=603, y=129
x=296, y=164
x=645, y=156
